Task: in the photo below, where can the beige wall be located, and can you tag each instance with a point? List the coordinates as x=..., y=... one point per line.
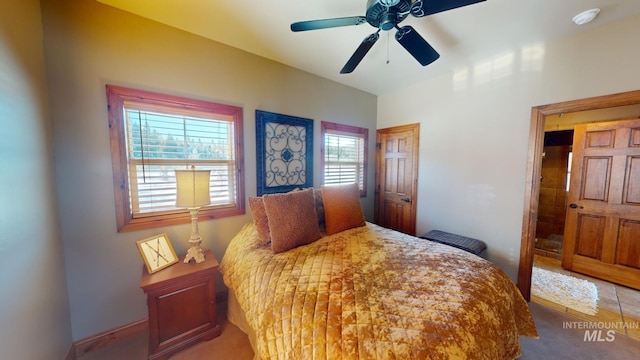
x=475, y=128
x=89, y=45
x=34, y=308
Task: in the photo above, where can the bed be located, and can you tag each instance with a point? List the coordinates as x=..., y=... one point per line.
x=367, y=292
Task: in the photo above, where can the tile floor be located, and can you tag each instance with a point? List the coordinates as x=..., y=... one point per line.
x=617, y=304
x=548, y=248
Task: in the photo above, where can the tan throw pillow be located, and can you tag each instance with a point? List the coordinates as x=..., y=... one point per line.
x=292, y=219
x=342, y=208
x=260, y=219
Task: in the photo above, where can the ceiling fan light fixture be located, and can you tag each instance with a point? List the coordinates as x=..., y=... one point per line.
x=586, y=16
x=385, y=15
x=389, y=3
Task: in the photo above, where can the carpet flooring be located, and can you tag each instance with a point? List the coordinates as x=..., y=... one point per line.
x=556, y=342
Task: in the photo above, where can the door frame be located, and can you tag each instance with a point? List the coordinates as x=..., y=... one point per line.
x=534, y=169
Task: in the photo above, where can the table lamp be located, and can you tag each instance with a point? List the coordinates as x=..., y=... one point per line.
x=192, y=193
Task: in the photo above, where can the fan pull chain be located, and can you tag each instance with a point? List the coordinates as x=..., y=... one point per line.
x=388, y=39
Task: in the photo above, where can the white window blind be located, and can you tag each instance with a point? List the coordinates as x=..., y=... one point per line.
x=160, y=140
x=344, y=158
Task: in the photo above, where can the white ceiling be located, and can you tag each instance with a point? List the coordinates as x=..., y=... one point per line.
x=464, y=37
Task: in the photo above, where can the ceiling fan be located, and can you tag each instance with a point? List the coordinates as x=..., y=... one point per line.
x=386, y=15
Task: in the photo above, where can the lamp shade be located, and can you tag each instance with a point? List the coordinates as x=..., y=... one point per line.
x=192, y=188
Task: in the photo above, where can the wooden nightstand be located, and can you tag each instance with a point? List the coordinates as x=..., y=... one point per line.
x=182, y=306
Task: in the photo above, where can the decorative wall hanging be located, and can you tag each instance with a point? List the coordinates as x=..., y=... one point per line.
x=284, y=152
x=157, y=252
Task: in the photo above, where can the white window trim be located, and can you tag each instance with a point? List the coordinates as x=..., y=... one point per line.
x=347, y=130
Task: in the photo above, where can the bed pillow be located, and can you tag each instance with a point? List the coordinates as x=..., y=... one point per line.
x=292, y=219
x=342, y=208
x=260, y=220
x=317, y=196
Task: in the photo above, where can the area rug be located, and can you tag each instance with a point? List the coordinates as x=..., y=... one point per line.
x=577, y=294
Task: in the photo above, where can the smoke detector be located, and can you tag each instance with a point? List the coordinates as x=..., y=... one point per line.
x=586, y=16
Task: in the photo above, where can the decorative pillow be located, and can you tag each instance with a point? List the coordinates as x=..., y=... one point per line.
x=292, y=219
x=317, y=196
x=260, y=219
x=342, y=208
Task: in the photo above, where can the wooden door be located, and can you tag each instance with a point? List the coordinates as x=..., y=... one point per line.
x=397, y=178
x=602, y=230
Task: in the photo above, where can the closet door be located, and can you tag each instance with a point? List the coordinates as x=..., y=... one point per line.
x=397, y=178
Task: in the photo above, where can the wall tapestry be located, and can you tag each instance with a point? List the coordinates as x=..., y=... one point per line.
x=284, y=152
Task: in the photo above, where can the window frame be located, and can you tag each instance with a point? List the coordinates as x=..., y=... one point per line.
x=125, y=219
x=349, y=130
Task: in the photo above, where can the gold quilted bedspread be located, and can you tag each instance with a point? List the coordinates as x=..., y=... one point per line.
x=374, y=293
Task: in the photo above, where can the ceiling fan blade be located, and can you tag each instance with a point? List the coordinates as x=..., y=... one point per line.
x=360, y=52
x=417, y=46
x=327, y=23
x=422, y=8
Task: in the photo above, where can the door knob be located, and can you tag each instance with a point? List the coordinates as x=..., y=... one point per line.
x=575, y=206
x=406, y=200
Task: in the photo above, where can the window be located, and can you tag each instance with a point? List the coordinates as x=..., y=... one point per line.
x=569, y=164
x=154, y=134
x=344, y=155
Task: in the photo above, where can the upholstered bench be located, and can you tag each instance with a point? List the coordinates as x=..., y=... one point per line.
x=474, y=246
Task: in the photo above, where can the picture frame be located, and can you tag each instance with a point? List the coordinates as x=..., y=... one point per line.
x=284, y=152
x=157, y=252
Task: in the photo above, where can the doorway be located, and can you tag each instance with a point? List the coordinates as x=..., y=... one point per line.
x=396, y=180
x=539, y=116
x=554, y=186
